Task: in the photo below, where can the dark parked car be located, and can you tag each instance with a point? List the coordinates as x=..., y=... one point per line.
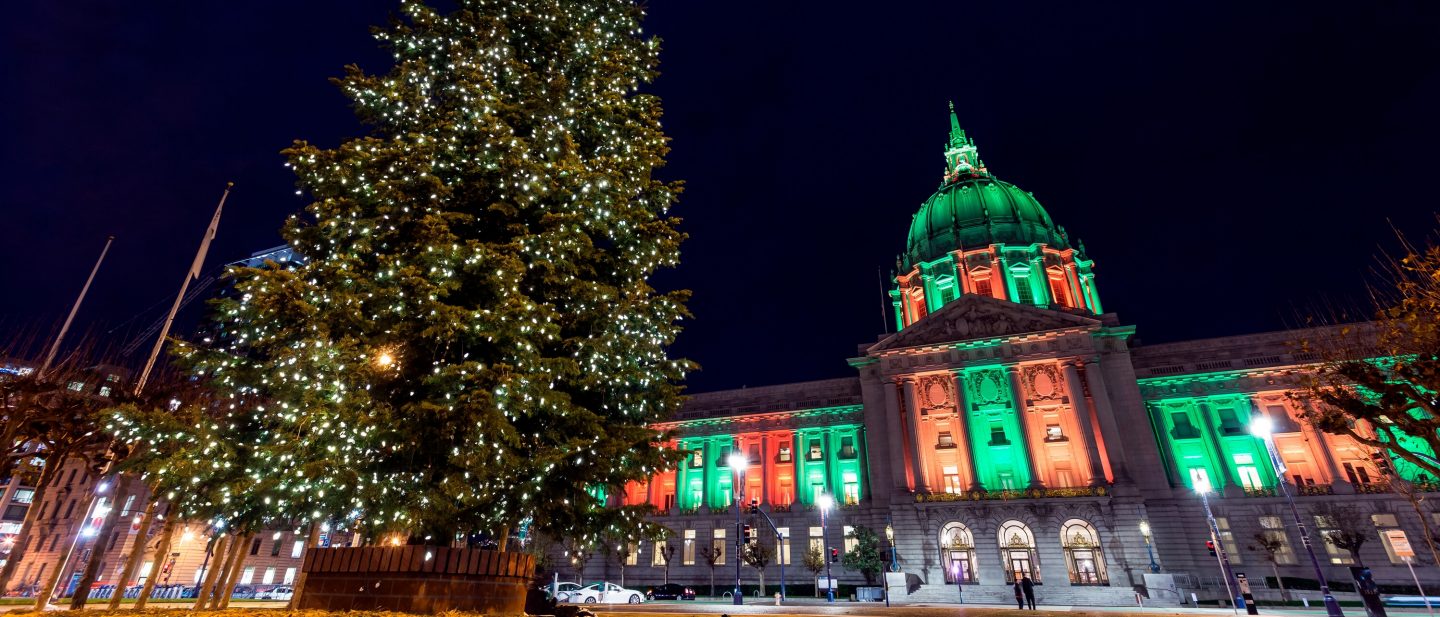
x=673, y=591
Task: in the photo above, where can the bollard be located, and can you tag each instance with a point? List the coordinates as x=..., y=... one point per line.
x=777, y=598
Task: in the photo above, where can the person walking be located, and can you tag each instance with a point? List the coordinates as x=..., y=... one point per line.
x=1028, y=587
x=1019, y=596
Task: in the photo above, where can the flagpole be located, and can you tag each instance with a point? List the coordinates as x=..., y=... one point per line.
x=194, y=273
x=55, y=347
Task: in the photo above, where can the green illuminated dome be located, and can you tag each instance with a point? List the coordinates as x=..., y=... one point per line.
x=973, y=210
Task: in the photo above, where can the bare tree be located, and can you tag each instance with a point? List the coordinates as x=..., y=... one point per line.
x=667, y=552
x=757, y=555
x=1347, y=528
x=1273, y=547
x=713, y=556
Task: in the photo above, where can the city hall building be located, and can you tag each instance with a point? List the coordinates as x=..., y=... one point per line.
x=1013, y=427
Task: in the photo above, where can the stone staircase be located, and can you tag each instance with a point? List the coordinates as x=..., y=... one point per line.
x=1048, y=595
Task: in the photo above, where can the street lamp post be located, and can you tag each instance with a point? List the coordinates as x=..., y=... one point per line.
x=1262, y=428
x=1149, y=549
x=825, y=501
x=737, y=462
x=1203, y=487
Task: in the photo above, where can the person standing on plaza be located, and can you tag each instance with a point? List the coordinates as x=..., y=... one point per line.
x=1028, y=587
x=1019, y=596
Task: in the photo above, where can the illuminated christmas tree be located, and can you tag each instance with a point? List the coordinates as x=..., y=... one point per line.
x=470, y=339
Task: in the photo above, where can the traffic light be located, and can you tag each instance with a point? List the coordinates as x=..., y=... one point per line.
x=1210, y=546
x=834, y=555
x=745, y=533
x=754, y=505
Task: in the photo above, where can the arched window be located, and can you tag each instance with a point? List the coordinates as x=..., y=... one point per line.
x=1017, y=552
x=1084, y=557
x=957, y=552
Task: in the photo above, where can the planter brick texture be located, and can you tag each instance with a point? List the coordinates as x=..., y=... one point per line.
x=401, y=578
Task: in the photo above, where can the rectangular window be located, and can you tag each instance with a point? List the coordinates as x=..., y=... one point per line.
x=76, y=386
x=633, y=557
x=1057, y=292
x=851, y=486
x=1200, y=479
x=255, y=546
x=1184, y=429
x=275, y=550
x=724, y=460
x=847, y=447
x=1325, y=526
x=1387, y=523
x=689, y=557
x=1053, y=433
x=199, y=573
x=297, y=549
x=850, y=541
x=1227, y=538
x=1273, y=530
x=784, y=456
x=1023, y=293
x=247, y=576
x=783, y=556
x=946, y=440
x=754, y=455
x=997, y=435
x=952, y=479
x=697, y=459
x=269, y=576
x=982, y=287
x=719, y=544
x=658, y=558
x=1249, y=477
x=289, y=576
x=1229, y=421
x=815, y=452
x=70, y=509
x=817, y=538
x=23, y=495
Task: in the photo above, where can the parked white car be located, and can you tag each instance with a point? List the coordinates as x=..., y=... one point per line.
x=279, y=593
x=604, y=593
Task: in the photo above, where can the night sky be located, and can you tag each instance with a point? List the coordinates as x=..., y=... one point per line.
x=1227, y=166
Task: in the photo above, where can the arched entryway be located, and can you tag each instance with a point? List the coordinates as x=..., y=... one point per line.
x=1017, y=552
x=1084, y=557
x=957, y=553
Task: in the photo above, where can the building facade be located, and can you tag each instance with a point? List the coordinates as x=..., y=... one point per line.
x=1012, y=427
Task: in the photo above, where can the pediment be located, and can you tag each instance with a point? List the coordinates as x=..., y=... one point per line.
x=971, y=318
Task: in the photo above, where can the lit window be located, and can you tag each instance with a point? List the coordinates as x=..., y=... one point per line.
x=817, y=538
x=997, y=436
x=952, y=479
x=982, y=287
x=851, y=487
x=1387, y=525
x=847, y=447
x=815, y=452
x=297, y=549
x=784, y=456
x=720, y=545
x=1326, y=525
x=269, y=576
x=850, y=541
x=1273, y=531
x=289, y=576
x=689, y=556
x=104, y=390
x=633, y=556
x=247, y=576
x=1227, y=538
x=76, y=386
x=23, y=495
x=784, y=552
x=1023, y=293
x=1053, y=433
x=946, y=440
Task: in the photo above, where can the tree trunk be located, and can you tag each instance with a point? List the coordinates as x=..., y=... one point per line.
x=37, y=501
x=667, y=571
x=42, y=597
x=504, y=540
x=712, y=581
x=137, y=555
x=229, y=588
x=311, y=540
x=1279, y=582
x=762, y=582
x=162, y=554
x=223, y=576
x=102, y=539
x=217, y=554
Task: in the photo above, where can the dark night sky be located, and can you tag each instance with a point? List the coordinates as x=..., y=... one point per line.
x=1225, y=164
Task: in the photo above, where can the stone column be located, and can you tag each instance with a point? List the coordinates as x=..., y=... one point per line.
x=894, y=425
x=963, y=413
x=765, y=463
x=1082, y=414
x=999, y=277
x=1038, y=273
x=1211, y=431
x=1017, y=394
x=1338, y=481
x=912, y=413
x=1109, y=430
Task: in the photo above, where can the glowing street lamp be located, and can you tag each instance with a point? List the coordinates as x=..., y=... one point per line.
x=1264, y=430
x=1149, y=550
x=1202, y=486
x=889, y=536
x=825, y=501
x=737, y=463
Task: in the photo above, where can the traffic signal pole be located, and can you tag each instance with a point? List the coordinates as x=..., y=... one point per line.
x=779, y=543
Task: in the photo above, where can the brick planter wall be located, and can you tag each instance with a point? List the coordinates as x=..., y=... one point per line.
x=400, y=578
